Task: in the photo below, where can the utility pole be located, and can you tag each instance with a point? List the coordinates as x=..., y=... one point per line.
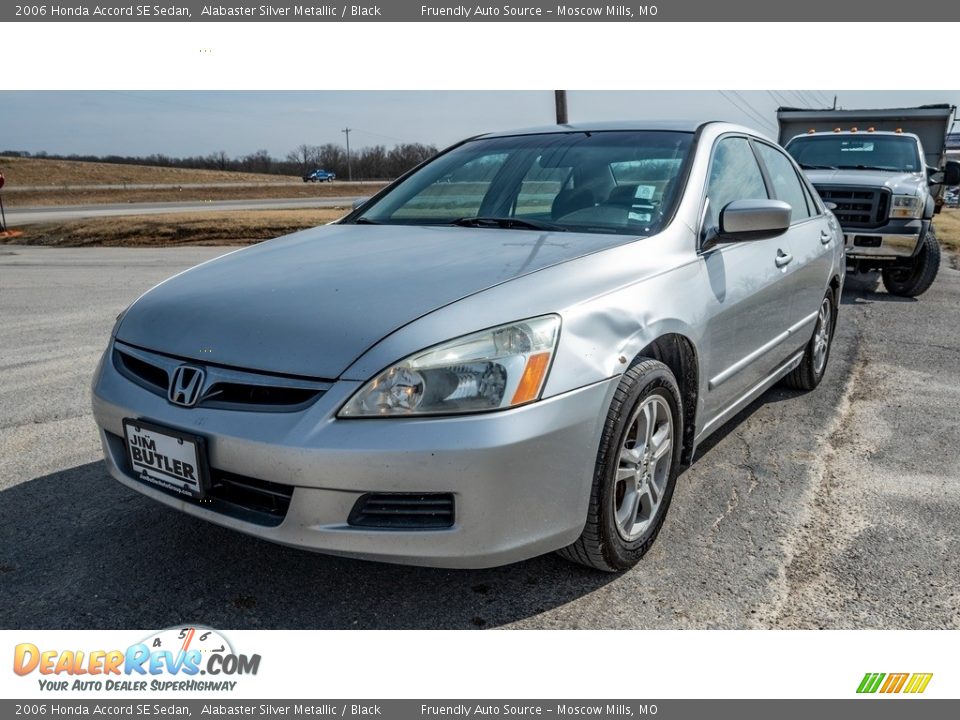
x=560, y=98
x=346, y=131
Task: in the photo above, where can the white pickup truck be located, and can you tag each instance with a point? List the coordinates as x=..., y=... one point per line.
x=884, y=173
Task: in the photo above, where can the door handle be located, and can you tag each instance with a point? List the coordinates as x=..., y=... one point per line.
x=825, y=237
x=783, y=259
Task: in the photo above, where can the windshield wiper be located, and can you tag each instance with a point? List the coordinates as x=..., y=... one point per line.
x=817, y=167
x=868, y=167
x=366, y=221
x=508, y=223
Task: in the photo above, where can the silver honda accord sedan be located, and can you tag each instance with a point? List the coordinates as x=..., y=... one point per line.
x=513, y=349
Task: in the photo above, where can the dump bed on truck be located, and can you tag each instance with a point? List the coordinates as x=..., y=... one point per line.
x=928, y=122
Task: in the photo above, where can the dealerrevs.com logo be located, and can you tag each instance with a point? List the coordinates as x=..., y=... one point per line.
x=181, y=659
x=892, y=683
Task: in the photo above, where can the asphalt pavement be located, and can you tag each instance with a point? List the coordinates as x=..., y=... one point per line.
x=837, y=508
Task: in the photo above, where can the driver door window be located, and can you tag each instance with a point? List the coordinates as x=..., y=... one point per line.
x=734, y=175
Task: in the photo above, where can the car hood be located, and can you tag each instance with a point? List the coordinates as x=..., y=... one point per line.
x=899, y=183
x=311, y=303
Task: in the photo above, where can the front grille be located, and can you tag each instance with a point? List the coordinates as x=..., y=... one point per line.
x=237, y=394
x=403, y=511
x=224, y=388
x=150, y=376
x=856, y=206
x=252, y=500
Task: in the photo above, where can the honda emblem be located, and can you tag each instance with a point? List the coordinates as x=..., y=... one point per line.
x=186, y=385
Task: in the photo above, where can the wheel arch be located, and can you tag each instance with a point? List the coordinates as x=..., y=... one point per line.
x=678, y=353
x=836, y=289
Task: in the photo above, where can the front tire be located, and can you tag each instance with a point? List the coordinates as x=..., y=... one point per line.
x=916, y=279
x=636, y=470
x=808, y=374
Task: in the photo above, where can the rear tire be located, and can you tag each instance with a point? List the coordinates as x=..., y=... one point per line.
x=808, y=374
x=636, y=470
x=917, y=279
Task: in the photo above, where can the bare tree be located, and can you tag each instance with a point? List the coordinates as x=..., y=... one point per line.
x=304, y=156
x=258, y=162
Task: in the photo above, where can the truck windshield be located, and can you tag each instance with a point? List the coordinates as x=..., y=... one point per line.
x=597, y=182
x=849, y=152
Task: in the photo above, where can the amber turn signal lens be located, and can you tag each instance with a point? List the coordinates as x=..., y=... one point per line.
x=532, y=380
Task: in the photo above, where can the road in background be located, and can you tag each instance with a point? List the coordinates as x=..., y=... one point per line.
x=17, y=217
x=836, y=508
x=179, y=186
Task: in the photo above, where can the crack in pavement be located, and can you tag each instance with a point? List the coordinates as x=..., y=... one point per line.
x=804, y=546
x=734, y=501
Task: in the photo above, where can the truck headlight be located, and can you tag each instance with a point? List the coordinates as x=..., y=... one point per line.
x=493, y=369
x=906, y=206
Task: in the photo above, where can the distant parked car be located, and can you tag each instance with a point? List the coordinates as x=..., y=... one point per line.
x=469, y=373
x=320, y=176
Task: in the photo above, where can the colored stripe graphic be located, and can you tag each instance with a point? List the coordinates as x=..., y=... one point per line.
x=870, y=682
x=918, y=682
x=894, y=683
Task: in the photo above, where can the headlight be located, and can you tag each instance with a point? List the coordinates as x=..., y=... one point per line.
x=489, y=370
x=906, y=206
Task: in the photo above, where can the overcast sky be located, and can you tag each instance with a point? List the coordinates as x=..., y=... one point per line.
x=198, y=123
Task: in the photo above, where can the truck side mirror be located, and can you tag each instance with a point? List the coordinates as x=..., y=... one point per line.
x=951, y=173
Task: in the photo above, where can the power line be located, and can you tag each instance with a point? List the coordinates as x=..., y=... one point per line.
x=758, y=114
x=752, y=114
x=737, y=105
x=778, y=99
x=822, y=97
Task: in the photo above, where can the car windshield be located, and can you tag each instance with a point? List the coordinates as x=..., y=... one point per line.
x=846, y=152
x=597, y=182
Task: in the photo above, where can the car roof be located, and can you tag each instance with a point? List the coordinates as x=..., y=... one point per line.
x=688, y=126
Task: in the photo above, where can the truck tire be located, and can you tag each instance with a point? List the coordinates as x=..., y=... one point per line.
x=808, y=374
x=917, y=279
x=636, y=470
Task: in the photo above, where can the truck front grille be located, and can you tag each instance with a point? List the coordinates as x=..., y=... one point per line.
x=857, y=207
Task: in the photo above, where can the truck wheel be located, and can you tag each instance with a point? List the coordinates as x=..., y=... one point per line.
x=917, y=279
x=808, y=374
x=636, y=470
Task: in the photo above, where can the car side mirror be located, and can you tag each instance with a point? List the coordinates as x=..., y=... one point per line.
x=951, y=173
x=831, y=206
x=359, y=203
x=745, y=220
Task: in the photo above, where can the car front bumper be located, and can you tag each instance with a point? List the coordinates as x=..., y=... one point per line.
x=520, y=478
x=897, y=239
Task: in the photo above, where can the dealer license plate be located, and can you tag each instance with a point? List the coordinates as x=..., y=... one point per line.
x=165, y=457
